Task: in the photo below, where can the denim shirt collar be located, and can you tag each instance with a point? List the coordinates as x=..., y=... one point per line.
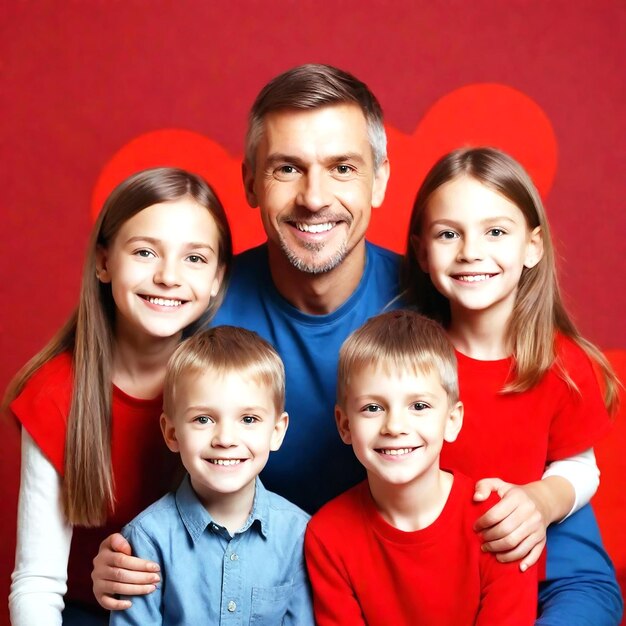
x=197, y=519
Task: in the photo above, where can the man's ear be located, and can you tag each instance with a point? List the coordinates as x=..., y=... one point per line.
x=534, y=248
x=102, y=271
x=343, y=425
x=247, y=175
x=280, y=429
x=419, y=252
x=454, y=423
x=379, y=186
x=169, y=433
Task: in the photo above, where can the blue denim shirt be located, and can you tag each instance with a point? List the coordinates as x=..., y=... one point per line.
x=257, y=576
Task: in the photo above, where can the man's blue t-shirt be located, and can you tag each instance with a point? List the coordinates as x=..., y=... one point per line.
x=313, y=464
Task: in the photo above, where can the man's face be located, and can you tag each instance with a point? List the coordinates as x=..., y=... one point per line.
x=315, y=184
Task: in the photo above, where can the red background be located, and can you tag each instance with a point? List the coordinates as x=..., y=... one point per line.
x=94, y=90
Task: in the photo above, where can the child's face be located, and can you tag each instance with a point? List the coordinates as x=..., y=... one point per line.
x=397, y=422
x=475, y=244
x=224, y=428
x=163, y=268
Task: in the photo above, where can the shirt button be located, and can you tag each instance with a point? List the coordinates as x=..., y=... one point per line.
x=232, y=606
x=234, y=557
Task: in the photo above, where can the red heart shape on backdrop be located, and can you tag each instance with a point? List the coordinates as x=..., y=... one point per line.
x=476, y=115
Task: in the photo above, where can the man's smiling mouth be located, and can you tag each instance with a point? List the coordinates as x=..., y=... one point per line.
x=314, y=228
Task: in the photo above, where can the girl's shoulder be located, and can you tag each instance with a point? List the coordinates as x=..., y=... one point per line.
x=572, y=359
x=43, y=404
x=52, y=380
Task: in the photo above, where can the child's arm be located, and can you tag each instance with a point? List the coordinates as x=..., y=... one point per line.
x=39, y=580
x=515, y=528
x=333, y=599
x=116, y=571
x=581, y=470
x=508, y=595
x=145, y=610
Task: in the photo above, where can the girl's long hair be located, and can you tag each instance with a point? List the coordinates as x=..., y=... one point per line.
x=88, y=490
x=538, y=310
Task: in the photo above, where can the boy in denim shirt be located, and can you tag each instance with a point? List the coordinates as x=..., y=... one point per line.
x=230, y=552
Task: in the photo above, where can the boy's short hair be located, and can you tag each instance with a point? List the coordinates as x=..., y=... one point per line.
x=226, y=349
x=399, y=340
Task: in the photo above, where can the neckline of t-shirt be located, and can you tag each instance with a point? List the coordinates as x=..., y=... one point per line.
x=329, y=318
x=430, y=534
x=120, y=394
x=461, y=356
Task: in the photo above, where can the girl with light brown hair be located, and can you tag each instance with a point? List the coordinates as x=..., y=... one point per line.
x=480, y=260
x=89, y=402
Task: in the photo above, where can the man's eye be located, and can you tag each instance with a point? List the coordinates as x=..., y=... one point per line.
x=285, y=172
x=344, y=170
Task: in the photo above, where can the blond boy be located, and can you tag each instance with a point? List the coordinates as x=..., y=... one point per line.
x=229, y=551
x=400, y=547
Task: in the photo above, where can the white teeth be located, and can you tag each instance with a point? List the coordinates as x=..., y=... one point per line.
x=163, y=301
x=224, y=461
x=473, y=278
x=396, y=451
x=314, y=228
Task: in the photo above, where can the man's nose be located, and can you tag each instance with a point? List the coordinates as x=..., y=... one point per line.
x=314, y=193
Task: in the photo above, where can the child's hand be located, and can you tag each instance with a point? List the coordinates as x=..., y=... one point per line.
x=515, y=527
x=115, y=571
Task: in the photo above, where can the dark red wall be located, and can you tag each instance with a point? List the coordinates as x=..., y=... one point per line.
x=88, y=89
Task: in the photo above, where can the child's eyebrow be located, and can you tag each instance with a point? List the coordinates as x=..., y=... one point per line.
x=155, y=242
x=410, y=396
x=205, y=408
x=488, y=220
